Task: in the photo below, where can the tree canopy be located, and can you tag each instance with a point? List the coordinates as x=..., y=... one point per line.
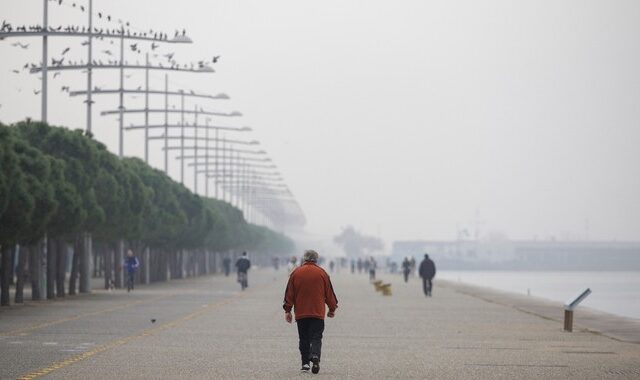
x=61, y=182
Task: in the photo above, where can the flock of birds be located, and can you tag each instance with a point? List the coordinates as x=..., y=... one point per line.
x=62, y=61
x=123, y=30
x=95, y=31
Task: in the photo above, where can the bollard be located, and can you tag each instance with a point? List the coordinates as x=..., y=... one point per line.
x=568, y=320
x=569, y=307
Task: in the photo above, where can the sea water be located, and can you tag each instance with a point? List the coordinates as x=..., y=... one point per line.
x=613, y=292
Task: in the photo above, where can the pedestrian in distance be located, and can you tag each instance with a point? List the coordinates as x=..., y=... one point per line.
x=293, y=264
x=308, y=290
x=353, y=266
x=372, y=268
x=406, y=268
x=242, y=265
x=427, y=272
x=412, y=260
x=226, y=264
x=131, y=264
x=360, y=265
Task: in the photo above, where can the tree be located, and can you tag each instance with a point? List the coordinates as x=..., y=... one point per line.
x=356, y=244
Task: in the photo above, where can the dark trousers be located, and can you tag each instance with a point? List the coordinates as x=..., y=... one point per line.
x=426, y=286
x=310, y=334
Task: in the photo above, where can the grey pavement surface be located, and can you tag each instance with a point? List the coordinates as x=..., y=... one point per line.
x=207, y=329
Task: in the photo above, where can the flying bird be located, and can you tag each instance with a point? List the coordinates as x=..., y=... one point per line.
x=85, y=43
x=65, y=51
x=82, y=8
x=99, y=15
x=36, y=92
x=215, y=59
x=107, y=52
x=64, y=88
x=154, y=46
x=169, y=56
x=108, y=18
x=16, y=71
x=134, y=47
x=56, y=74
x=21, y=45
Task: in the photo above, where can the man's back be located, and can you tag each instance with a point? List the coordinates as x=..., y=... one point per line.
x=427, y=269
x=243, y=264
x=308, y=290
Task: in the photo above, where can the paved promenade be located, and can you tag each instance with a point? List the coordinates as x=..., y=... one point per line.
x=206, y=328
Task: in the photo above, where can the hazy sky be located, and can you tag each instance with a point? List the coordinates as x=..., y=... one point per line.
x=407, y=119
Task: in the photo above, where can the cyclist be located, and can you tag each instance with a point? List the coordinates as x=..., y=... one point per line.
x=131, y=264
x=242, y=265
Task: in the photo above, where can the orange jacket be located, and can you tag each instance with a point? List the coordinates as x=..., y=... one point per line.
x=308, y=289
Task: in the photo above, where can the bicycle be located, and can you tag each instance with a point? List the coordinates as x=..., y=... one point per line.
x=243, y=280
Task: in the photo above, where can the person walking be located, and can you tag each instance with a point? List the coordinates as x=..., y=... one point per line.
x=427, y=272
x=293, y=264
x=406, y=268
x=373, y=265
x=242, y=265
x=131, y=264
x=308, y=290
x=226, y=264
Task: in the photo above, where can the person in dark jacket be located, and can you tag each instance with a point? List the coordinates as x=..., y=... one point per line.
x=427, y=272
x=406, y=268
x=131, y=264
x=308, y=290
x=242, y=265
x=226, y=264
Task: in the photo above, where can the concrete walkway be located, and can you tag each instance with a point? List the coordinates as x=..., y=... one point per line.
x=206, y=328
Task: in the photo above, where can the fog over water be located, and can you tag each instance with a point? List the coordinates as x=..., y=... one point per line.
x=613, y=292
x=408, y=120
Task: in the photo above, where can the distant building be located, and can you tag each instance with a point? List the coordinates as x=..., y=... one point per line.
x=524, y=254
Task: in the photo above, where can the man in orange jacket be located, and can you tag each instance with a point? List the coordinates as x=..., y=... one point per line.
x=308, y=290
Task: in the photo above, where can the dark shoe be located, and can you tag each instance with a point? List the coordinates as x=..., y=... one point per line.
x=305, y=367
x=315, y=364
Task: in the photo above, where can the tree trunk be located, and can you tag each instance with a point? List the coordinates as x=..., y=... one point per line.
x=35, y=266
x=108, y=254
x=5, y=279
x=84, y=261
x=117, y=265
x=51, y=268
x=14, y=251
x=61, y=267
x=75, y=263
x=21, y=273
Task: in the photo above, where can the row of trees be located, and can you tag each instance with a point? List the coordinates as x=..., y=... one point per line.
x=62, y=187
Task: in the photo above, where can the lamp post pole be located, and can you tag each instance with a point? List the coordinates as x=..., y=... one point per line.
x=206, y=179
x=217, y=150
x=195, y=144
x=166, y=124
x=45, y=60
x=121, y=106
x=146, y=110
x=89, y=69
x=182, y=136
